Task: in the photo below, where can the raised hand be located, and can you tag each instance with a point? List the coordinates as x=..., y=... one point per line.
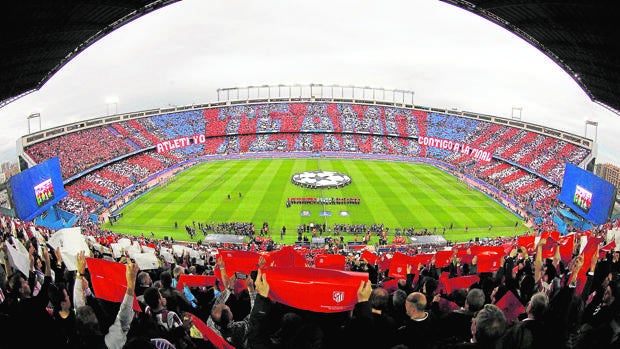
x=364, y=291
x=131, y=271
x=261, y=285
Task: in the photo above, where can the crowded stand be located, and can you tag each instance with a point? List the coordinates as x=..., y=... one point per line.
x=532, y=155
x=80, y=150
x=110, y=181
x=527, y=149
x=133, y=130
x=233, y=130
x=242, y=289
x=533, y=173
x=537, y=290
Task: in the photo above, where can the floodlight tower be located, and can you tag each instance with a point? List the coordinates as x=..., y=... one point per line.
x=32, y=117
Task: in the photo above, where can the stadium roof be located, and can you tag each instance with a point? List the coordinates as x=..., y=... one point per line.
x=37, y=38
x=581, y=36
x=40, y=37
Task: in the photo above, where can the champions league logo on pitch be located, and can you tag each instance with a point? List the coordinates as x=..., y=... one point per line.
x=321, y=179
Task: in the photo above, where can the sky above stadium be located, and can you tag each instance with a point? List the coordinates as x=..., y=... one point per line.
x=181, y=54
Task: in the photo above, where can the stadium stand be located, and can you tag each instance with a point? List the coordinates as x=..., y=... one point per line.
x=522, y=159
x=573, y=296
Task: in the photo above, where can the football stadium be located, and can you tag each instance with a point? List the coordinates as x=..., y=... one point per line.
x=313, y=216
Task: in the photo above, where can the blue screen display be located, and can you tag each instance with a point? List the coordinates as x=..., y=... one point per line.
x=37, y=188
x=587, y=194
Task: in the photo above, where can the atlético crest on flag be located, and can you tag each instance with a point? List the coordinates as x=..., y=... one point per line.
x=338, y=296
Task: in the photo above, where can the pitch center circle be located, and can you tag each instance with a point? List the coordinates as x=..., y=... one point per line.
x=320, y=179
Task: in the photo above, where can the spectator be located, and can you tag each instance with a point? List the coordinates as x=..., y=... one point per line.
x=530, y=332
x=487, y=328
x=419, y=330
x=63, y=312
x=144, y=281
x=175, y=299
x=89, y=333
x=165, y=323
x=456, y=325
x=369, y=316
x=221, y=319
x=28, y=311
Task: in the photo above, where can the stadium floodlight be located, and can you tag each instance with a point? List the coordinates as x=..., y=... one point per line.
x=593, y=123
x=516, y=113
x=31, y=117
x=112, y=100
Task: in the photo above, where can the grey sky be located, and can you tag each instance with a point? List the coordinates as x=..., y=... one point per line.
x=182, y=53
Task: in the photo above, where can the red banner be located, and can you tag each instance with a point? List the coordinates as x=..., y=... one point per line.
x=589, y=252
x=209, y=335
x=465, y=255
x=442, y=258
x=511, y=306
x=195, y=281
x=329, y=261
x=286, y=257
x=370, y=257
x=567, y=244
x=398, y=265
x=108, y=280
x=489, y=259
x=527, y=241
x=241, y=261
x=452, y=284
x=319, y=290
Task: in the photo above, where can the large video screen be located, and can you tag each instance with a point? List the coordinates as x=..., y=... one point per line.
x=37, y=188
x=587, y=194
x=44, y=192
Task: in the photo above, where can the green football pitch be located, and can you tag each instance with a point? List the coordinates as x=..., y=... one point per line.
x=396, y=194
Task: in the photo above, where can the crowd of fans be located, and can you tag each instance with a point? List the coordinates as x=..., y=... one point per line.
x=341, y=127
x=533, y=299
x=80, y=150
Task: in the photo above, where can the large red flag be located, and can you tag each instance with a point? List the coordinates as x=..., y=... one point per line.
x=548, y=249
x=421, y=258
x=527, y=241
x=508, y=247
x=589, y=252
x=489, y=260
x=607, y=248
x=511, y=306
x=442, y=258
x=384, y=263
x=370, y=257
x=241, y=261
x=209, y=335
x=398, y=265
x=489, y=257
x=555, y=235
x=108, y=280
x=286, y=257
x=195, y=281
x=329, y=261
x=452, y=284
x=319, y=290
x=567, y=244
x=465, y=255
